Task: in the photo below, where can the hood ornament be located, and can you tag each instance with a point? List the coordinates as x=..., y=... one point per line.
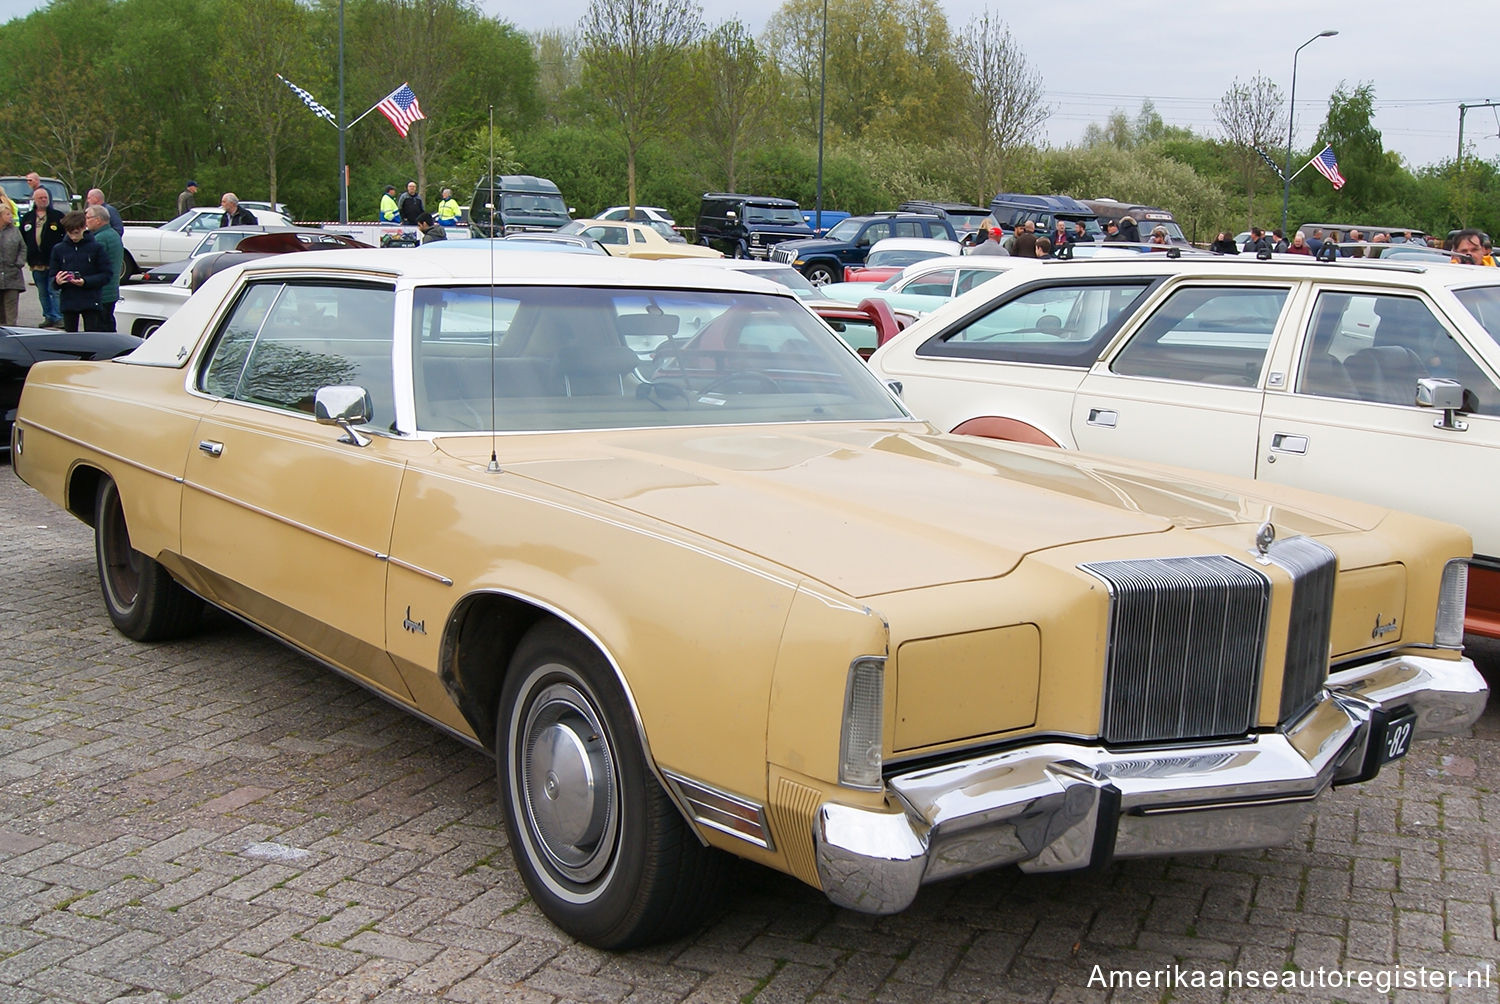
x=1264, y=538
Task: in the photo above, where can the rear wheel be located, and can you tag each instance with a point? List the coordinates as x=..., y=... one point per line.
x=143, y=601
x=600, y=846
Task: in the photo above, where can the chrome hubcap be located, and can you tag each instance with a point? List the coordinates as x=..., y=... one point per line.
x=568, y=783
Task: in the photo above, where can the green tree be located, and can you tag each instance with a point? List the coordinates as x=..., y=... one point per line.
x=890, y=66
x=632, y=62
x=1369, y=174
x=266, y=114
x=733, y=89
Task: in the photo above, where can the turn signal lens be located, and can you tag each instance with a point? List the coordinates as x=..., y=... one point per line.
x=1452, y=598
x=864, y=716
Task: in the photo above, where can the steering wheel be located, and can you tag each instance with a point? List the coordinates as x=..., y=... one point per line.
x=763, y=379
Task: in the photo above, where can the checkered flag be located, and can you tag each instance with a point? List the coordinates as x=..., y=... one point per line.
x=310, y=101
x=1269, y=162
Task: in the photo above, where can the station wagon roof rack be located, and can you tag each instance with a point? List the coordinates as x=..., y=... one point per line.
x=1177, y=253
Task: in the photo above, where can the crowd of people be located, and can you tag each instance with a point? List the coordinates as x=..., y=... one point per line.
x=1468, y=247
x=74, y=259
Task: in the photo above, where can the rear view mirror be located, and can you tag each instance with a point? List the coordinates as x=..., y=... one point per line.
x=345, y=407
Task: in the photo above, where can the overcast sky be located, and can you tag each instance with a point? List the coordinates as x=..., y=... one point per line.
x=1097, y=55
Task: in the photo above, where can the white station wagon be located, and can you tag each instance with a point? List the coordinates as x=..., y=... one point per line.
x=1374, y=380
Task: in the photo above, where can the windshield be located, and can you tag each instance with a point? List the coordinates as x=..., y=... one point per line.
x=532, y=204
x=1483, y=302
x=543, y=358
x=1092, y=228
x=846, y=230
x=782, y=216
x=967, y=221
x=19, y=191
x=786, y=276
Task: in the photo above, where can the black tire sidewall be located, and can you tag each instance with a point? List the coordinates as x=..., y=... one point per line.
x=820, y=269
x=127, y=617
x=603, y=916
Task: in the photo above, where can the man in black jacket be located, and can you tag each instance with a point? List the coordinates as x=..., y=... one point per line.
x=410, y=205
x=79, y=270
x=41, y=228
x=235, y=215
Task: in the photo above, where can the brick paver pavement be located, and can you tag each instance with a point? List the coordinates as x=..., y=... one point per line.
x=220, y=820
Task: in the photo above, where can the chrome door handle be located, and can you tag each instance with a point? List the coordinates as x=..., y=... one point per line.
x=1282, y=442
x=210, y=447
x=1103, y=417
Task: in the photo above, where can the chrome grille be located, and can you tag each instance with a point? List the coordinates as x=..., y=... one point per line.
x=1186, y=644
x=788, y=255
x=1314, y=569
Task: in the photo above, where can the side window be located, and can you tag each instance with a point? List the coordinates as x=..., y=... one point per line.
x=1063, y=325
x=1206, y=334
x=1370, y=347
x=968, y=278
x=283, y=342
x=872, y=233
x=932, y=284
x=909, y=228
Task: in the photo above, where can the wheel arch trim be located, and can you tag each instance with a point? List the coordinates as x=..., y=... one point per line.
x=448, y=661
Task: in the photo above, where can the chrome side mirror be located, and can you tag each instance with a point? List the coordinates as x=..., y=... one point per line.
x=1448, y=395
x=344, y=407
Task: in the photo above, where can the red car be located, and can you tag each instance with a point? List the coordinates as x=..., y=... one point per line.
x=891, y=255
x=864, y=327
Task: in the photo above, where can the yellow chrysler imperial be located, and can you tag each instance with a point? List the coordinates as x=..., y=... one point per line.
x=657, y=540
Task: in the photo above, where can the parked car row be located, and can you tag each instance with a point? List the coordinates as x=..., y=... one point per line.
x=702, y=584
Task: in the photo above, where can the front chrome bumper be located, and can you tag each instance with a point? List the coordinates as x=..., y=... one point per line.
x=1058, y=806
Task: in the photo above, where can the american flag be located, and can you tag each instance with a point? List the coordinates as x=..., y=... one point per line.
x=1326, y=165
x=400, y=106
x=308, y=100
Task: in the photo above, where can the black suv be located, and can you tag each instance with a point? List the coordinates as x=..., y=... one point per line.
x=966, y=219
x=747, y=226
x=822, y=259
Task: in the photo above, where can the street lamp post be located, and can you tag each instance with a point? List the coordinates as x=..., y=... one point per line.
x=1291, y=118
x=822, y=92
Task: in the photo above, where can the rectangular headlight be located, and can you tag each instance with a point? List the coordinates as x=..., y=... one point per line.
x=1453, y=596
x=864, y=717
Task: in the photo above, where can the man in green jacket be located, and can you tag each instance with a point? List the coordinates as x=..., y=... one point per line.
x=389, y=211
x=96, y=218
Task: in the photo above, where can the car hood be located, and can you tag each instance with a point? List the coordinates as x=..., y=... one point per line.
x=812, y=245
x=870, y=510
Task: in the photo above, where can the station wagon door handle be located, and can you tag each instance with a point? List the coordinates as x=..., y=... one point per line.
x=1281, y=442
x=1103, y=417
x=210, y=447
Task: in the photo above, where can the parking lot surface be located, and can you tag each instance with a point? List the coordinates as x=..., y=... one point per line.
x=220, y=819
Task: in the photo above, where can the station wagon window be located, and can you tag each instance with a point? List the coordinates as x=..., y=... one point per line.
x=283, y=341
x=932, y=284
x=1062, y=325
x=1375, y=347
x=1205, y=334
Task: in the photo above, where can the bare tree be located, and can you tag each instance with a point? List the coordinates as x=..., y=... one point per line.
x=1250, y=116
x=633, y=51
x=1006, y=105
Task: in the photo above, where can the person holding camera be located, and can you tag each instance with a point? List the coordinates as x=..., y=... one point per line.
x=79, y=271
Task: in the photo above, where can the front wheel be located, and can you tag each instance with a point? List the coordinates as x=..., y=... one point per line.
x=603, y=851
x=144, y=601
x=820, y=275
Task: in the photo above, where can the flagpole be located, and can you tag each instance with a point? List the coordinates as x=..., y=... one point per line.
x=1307, y=165
x=343, y=161
x=366, y=112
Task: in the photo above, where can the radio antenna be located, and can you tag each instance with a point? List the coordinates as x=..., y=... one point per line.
x=494, y=467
